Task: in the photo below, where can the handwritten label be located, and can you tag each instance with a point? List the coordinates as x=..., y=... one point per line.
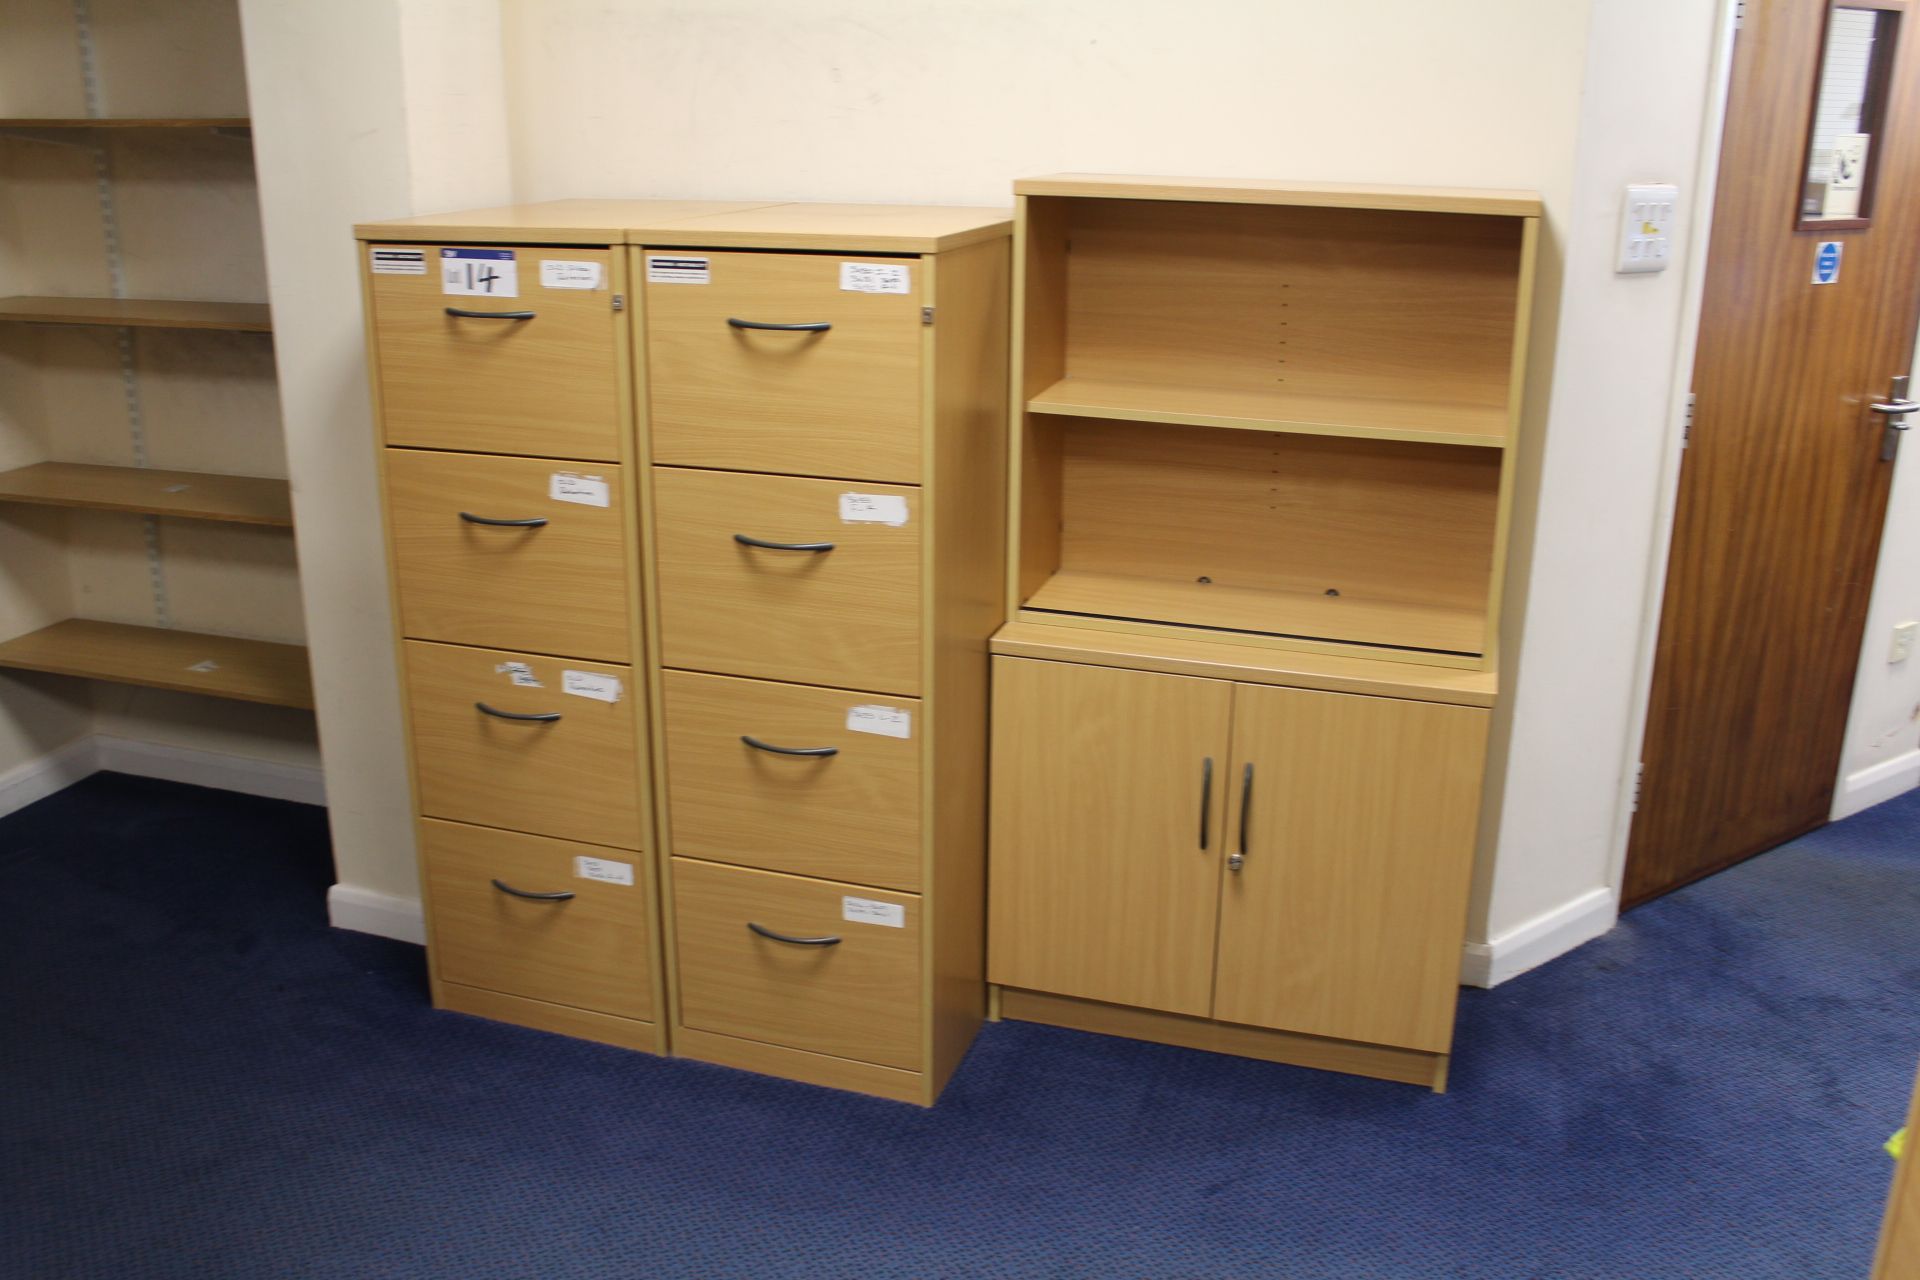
x=571, y=486
x=397, y=262
x=557, y=274
x=521, y=674
x=875, y=277
x=888, y=722
x=479, y=273
x=869, y=911
x=678, y=271
x=605, y=870
x=590, y=684
x=873, y=508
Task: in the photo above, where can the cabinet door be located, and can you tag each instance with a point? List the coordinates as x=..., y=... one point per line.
x=1107, y=837
x=1346, y=915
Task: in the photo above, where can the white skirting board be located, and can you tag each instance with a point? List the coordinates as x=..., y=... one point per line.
x=38, y=779
x=1543, y=938
x=364, y=911
x=1882, y=782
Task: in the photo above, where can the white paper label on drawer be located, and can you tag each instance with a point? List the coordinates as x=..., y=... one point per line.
x=397, y=262
x=480, y=273
x=605, y=870
x=888, y=722
x=875, y=277
x=521, y=674
x=571, y=486
x=678, y=271
x=873, y=508
x=556, y=274
x=590, y=684
x=868, y=911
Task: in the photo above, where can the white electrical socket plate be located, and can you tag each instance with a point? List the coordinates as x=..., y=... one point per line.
x=1903, y=635
x=1646, y=228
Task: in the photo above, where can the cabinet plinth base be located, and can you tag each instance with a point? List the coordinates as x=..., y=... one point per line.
x=798, y=1064
x=584, y=1024
x=1382, y=1062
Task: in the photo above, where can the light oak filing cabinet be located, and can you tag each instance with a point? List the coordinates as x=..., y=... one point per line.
x=1264, y=439
x=777, y=434
x=825, y=405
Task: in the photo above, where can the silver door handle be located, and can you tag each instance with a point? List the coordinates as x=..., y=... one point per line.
x=1898, y=408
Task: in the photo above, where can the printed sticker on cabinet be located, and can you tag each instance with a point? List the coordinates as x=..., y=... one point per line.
x=873, y=508
x=479, y=273
x=678, y=271
x=558, y=274
x=571, y=486
x=875, y=277
x=397, y=262
x=590, y=684
x=888, y=722
x=605, y=870
x=868, y=911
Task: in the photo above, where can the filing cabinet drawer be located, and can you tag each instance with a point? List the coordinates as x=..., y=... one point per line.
x=498, y=926
x=537, y=758
x=770, y=775
x=846, y=615
x=546, y=383
x=837, y=393
x=473, y=567
x=856, y=997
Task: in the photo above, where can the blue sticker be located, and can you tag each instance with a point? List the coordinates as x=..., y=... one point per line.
x=1826, y=262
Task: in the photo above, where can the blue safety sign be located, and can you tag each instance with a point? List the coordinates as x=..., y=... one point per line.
x=1826, y=262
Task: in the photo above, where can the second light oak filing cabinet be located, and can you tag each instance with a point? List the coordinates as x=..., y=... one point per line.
x=697, y=540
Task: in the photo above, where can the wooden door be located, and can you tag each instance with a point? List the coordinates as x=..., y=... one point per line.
x=1353, y=834
x=1783, y=488
x=1106, y=832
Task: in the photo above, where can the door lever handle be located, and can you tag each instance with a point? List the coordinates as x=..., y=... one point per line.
x=1896, y=407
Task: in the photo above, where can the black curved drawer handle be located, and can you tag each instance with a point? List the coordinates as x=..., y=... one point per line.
x=490, y=315
x=539, y=717
x=831, y=940
x=818, y=326
x=745, y=541
x=562, y=896
x=758, y=745
x=532, y=522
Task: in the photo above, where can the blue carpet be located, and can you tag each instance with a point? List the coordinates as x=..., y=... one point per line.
x=199, y=1079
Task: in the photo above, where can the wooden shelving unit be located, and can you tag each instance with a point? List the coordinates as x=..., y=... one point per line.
x=189, y=495
x=140, y=313
x=159, y=658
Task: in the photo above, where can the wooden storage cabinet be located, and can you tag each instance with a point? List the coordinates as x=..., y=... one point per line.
x=1264, y=457
x=827, y=441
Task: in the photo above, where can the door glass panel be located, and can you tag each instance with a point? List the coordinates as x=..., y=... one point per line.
x=1848, y=112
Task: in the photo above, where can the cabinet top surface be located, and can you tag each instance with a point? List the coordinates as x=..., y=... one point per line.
x=849, y=228
x=1323, y=195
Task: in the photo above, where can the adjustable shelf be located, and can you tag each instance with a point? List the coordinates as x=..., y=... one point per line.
x=1426, y=421
x=157, y=658
x=189, y=495
x=125, y=122
x=140, y=313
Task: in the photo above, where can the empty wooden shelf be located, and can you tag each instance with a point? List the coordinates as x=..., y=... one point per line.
x=186, y=494
x=158, y=658
x=140, y=313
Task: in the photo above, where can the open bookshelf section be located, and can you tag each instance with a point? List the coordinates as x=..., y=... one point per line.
x=187, y=494
x=140, y=313
x=1294, y=537
x=1368, y=322
x=159, y=658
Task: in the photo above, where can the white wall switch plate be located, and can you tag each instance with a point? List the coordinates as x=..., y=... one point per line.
x=1903, y=634
x=1646, y=228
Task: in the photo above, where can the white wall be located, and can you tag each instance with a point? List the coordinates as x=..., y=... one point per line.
x=362, y=109
x=1881, y=757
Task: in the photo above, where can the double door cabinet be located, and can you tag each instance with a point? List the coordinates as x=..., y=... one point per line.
x=698, y=539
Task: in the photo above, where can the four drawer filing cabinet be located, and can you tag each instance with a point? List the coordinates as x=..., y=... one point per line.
x=697, y=525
